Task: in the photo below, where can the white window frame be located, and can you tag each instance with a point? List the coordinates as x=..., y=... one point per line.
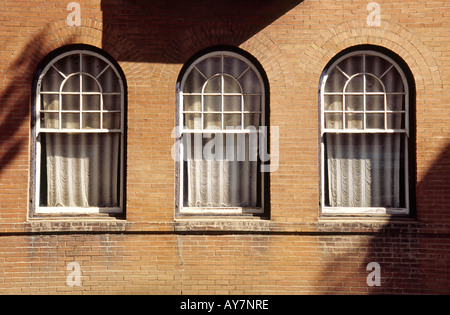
x=39, y=131
x=326, y=210
x=261, y=146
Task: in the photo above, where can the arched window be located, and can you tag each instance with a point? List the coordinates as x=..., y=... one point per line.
x=221, y=112
x=79, y=127
x=365, y=132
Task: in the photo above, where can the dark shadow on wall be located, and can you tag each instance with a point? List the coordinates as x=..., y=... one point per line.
x=413, y=254
x=173, y=31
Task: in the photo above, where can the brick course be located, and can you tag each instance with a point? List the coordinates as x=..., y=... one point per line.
x=295, y=251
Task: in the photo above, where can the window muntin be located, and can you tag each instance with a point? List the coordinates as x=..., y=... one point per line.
x=365, y=132
x=80, y=135
x=80, y=92
x=221, y=105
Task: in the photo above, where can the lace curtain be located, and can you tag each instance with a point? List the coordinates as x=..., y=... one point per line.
x=365, y=170
x=221, y=181
x=82, y=170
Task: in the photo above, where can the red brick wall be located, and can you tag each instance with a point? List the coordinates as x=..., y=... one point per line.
x=296, y=251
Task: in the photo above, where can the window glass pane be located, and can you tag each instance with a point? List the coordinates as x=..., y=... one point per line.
x=212, y=121
x=354, y=121
x=393, y=81
x=376, y=65
x=252, y=120
x=70, y=121
x=395, y=121
x=112, y=102
x=252, y=103
x=111, y=120
x=354, y=102
x=70, y=102
x=333, y=121
x=89, y=84
x=232, y=103
x=214, y=85
x=194, y=82
x=210, y=66
x=193, y=121
x=51, y=81
x=93, y=65
x=50, y=120
x=375, y=121
x=250, y=82
x=72, y=84
x=231, y=120
x=374, y=102
x=109, y=81
x=333, y=102
x=234, y=66
x=91, y=102
x=49, y=102
x=212, y=103
x=231, y=85
x=352, y=65
x=336, y=81
x=192, y=102
x=355, y=84
x=395, y=102
x=68, y=65
x=373, y=85
x=91, y=121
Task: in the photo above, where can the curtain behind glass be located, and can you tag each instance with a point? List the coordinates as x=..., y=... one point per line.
x=221, y=181
x=82, y=170
x=365, y=170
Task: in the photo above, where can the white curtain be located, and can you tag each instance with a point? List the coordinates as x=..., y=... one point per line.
x=365, y=170
x=226, y=179
x=82, y=170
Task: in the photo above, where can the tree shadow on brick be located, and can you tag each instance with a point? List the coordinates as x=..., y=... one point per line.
x=17, y=117
x=15, y=100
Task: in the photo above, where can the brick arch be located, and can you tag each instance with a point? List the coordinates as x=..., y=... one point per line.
x=389, y=35
x=216, y=33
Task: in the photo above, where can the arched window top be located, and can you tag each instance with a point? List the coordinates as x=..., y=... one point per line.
x=365, y=91
x=222, y=89
x=80, y=90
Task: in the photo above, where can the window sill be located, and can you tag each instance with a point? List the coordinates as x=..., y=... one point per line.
x=77, y=210
x=73, y=223
x=363, y=212
x=222, y=224
x=237, y=211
